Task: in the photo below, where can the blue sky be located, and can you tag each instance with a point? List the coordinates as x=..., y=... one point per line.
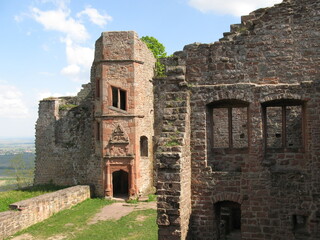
x=47, y=45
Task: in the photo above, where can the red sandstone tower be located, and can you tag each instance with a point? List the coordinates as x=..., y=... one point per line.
x=123, y=113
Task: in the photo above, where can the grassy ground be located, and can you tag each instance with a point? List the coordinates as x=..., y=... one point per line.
x=13, y=196
x=72, y=224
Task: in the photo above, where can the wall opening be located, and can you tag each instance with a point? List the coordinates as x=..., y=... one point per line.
x=229, y=124
x=120, y=184
x=98, y=130
x=98, y=88
x=228, y=215
x=283, y=124
x=143, y=146
x=119, y=98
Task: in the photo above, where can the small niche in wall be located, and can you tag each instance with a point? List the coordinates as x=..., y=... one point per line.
x=299, y=223
x=143, y=146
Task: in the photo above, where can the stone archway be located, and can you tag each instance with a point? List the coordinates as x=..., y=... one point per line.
x=120, y=184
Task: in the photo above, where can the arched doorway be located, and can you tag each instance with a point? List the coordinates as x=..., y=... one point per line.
x=228, y=215
x=120, y=184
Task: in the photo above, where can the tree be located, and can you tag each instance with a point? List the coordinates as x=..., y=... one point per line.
x=21, y=170
x=158, y=50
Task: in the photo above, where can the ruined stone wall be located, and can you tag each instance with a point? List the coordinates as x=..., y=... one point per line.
x=25, y=213
x=173, y=152
x=269, y=61
x=64, y=139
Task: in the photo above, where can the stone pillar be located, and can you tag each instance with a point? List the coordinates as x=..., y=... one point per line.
x=132, y=191
x=173, y=158
x=108, y=189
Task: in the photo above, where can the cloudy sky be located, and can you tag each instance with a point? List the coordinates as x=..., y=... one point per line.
x=47, y=45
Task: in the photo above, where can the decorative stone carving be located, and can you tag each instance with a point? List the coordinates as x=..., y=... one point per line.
x=118, y=136
x=118, y=150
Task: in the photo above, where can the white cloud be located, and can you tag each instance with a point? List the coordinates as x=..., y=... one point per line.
x=60, y=20
x=79, y=55
x=79, y=61
x=12, y=105
x=95, y=17
x=74, y=35
x=232, y=7
x=72, y=69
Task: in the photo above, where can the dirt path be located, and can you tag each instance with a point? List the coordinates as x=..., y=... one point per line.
x=117, y=210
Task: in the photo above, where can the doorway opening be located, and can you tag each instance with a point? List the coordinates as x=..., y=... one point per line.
x=120, y=184
x=228, y=215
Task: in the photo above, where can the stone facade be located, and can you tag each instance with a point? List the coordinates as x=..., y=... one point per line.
x=235, y=132
x=25, y=213
x=103, y=136
x=251, y=102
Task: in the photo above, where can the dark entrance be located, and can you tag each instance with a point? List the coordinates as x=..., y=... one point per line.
x=120, y=184
x=228, y=215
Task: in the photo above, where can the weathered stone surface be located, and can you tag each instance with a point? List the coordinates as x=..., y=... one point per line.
x=253, y=106
x=88, y=138
x=37, y=209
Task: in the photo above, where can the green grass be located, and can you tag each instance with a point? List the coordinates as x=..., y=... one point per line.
x=72, y=224
x=9, y=197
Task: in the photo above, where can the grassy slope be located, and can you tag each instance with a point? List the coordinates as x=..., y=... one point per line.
x=72, y=224
x=9, y=197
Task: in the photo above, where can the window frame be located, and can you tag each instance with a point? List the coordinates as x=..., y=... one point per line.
x=229, y=105
x=122, y=99
x=283, y=103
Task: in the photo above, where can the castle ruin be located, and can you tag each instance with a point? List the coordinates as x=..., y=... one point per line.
x=234, y=129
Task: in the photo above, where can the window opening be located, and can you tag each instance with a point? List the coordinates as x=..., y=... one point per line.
x=98, y=88
x=122, y=99
x=144, y=146
x=230, y=125
x=119, y=98
x=98, y=131
x=283, y=125
x=115, y=97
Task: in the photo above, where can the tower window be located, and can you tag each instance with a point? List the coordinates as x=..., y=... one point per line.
x=98, y=88
x=98, y=130
x=119, y=98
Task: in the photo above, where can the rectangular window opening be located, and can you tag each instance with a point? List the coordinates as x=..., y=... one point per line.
x=230, y=127
x=98, y=131
x=123, y=100
x=119, y=98
x=283, y=127
x=98, y=88
x=115, y=97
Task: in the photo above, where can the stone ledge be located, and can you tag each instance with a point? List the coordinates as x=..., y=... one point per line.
x=28, y=212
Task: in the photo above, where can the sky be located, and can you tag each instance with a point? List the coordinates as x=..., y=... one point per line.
x=47, y=46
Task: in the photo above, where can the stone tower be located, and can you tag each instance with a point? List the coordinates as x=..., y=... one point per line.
x=123, y=112
x=103, y=136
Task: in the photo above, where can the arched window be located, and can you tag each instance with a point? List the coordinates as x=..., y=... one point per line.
x=144, y=146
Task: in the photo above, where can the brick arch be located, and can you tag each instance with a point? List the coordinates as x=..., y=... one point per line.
x=228, y=94
x=232, y=197
x=281, y=96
